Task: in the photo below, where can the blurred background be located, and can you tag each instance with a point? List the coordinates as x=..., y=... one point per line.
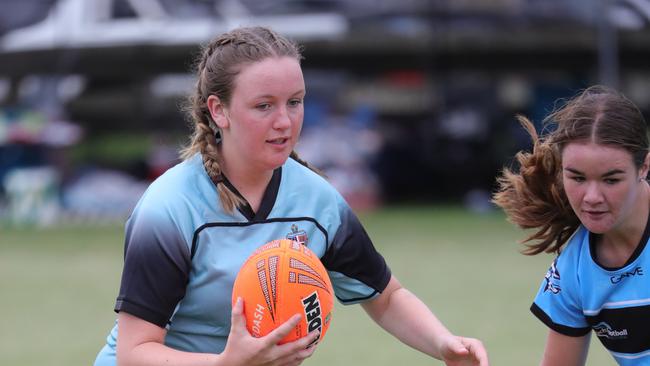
x=410, y=100
x=410, y=103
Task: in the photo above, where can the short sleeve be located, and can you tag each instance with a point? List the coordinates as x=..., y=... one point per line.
x=156, y=266
x=557, y=303
x=357, y=270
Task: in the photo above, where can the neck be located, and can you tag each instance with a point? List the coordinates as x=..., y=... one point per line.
x=616, y=246
x=251, y=183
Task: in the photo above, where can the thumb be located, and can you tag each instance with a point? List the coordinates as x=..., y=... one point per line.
x=237, y=318
x=284, y=329
x=456, y=347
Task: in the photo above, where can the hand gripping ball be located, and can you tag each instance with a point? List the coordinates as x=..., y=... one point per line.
x=280, y=279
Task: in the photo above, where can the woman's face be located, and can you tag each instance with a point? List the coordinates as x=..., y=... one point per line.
x=602, y=183
x=262, y=123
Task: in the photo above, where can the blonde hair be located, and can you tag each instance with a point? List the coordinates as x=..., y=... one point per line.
x=217, y=66
x=533, y=197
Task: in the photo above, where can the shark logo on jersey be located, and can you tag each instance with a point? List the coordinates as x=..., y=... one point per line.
x=297, y=235
x=604, y=330
x=551, y=277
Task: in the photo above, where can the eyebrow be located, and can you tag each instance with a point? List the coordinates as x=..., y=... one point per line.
x=301, y=91
x=607, y=174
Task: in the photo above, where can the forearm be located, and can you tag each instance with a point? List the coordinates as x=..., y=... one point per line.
x=140, y=343
x=408, y=319
x=153, y=353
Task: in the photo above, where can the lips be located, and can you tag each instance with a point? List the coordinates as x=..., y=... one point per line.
x=278, y=141
x=594, y=214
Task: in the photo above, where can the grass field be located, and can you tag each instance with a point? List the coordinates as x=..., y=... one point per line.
x=58, y=288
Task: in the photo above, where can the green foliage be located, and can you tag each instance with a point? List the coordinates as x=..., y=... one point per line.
x=119, y=149
x=59, y=286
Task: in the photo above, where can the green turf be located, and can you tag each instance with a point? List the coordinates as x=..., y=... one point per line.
x=58, y=287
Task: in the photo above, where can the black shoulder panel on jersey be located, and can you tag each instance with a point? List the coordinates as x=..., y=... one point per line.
x=156, y=270
x=562, y=329
x=353, y=254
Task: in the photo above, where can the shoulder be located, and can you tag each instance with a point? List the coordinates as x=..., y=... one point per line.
x=576, y=249
x=564, y=272
x=177, y=196
x=304, y=192
x=182, y=183
x=559, y=302
x=302, y=179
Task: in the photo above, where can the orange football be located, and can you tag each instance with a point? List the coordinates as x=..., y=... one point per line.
x=280, y=279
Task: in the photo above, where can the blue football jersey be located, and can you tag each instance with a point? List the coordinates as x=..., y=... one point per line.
x=183, y=251
x=578, y=294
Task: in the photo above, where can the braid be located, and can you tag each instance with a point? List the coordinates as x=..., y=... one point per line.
x=534, y=197
x=203, y=140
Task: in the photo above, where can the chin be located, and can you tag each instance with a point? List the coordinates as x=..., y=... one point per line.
x=276, y=163
x=597, y=227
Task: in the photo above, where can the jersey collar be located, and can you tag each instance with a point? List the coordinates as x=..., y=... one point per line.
x=268, y=200
x=593, y=238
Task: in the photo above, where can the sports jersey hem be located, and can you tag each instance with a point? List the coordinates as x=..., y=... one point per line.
x=140, y=312
x=357, y=299
x=376, y=291
x=562, y=329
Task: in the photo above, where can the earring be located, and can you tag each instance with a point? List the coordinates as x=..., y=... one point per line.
x=217, y=136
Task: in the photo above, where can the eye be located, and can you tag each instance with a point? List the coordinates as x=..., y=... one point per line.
x=577, y=178
x=263, y=106
x=612, y=180
x=295, y=102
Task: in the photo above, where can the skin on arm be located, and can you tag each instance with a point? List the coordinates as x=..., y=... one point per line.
x=406, y=317
x=142, y=343
x=565, y=350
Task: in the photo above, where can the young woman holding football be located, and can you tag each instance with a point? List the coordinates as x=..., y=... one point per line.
x=242, y=185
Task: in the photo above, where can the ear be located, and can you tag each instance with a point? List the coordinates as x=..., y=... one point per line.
x=217, y=111
x=643, y=170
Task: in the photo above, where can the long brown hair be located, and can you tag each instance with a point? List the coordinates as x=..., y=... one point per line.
x=216, y=68
x=533, y=197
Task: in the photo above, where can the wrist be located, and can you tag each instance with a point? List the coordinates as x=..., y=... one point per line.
x=443, y=341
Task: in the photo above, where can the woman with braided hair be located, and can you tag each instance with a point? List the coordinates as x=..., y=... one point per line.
x=242, y=185
x=583, y=192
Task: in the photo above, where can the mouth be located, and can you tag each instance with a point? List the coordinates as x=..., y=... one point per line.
x=594, y=214
x=278, y=141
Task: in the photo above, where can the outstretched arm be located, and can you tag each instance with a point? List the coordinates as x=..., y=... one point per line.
x=564, y=350
x=406, y=317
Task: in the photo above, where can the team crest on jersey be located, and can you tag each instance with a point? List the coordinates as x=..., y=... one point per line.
x=552, y=278
x=298, y=235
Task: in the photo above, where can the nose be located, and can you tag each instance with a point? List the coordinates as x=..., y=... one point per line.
x=282, y=120
x=593, y=195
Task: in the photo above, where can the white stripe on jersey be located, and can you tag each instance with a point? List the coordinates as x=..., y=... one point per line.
x=616, y=305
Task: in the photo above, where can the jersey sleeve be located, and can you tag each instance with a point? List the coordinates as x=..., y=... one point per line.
x=557, y=303
x=156, y=266
x=358, y=272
